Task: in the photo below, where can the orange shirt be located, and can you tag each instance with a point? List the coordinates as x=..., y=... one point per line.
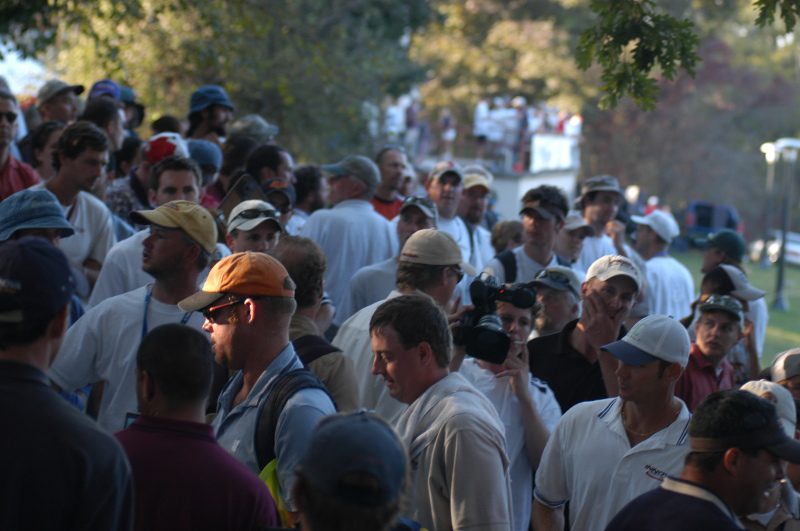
x=387, y=209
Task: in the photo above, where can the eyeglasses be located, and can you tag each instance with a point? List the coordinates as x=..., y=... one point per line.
x=10, y=117
x=211, y=312
x=458, y=271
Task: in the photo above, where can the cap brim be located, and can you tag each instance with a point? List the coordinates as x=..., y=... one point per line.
x=198, y=301
x=425, y=210
x=629, y=354
x=546, y=214
x=788, y=450
x=153, y=217
x=749, y=294
x=334, y=169
x=251, y=224
x=549, y=283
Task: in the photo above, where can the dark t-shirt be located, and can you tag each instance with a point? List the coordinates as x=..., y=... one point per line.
x=665, y=510
x=184, y=480
x=572, y=377
x=59, y=469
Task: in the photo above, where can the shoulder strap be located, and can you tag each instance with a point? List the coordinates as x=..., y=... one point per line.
x=310, y=348
x=270, y=408
x=509, y=262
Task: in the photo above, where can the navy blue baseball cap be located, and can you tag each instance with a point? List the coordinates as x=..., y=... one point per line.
x=205, y=153
x=209, y=95
x=35, y=280
x=105, y=87
x=32, y=209
x=344, y=448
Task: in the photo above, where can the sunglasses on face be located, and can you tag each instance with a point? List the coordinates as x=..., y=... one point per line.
x=253, y=213
x=10, y=117
x=458, y=271
x=212, y=313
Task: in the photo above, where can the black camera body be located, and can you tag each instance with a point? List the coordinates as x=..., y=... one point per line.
x=480, y=331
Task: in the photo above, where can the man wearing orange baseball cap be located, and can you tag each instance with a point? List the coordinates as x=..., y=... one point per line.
x=271, y=405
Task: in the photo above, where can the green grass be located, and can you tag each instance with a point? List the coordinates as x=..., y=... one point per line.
x=782, y=331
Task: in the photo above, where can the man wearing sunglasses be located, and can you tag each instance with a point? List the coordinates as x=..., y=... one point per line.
x=15, y=175
x=253, y=225
x=101, y=346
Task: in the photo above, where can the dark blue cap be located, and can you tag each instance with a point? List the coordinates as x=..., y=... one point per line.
x=32, y=209
x=205, y=153
x=351, y=446
x=209, y=95
x=105, y=87
x=280, y=186
x=35, y=280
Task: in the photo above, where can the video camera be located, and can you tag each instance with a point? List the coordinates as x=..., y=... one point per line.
x=480, y=331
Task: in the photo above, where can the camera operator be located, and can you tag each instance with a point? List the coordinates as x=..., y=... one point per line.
x=526, y=405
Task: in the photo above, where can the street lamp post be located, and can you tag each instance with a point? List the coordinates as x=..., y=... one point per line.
x=787, y=148
x=771, y=155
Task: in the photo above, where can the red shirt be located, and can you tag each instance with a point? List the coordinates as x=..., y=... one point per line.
x=387, y=209
x=16, y=176
x=699, y=379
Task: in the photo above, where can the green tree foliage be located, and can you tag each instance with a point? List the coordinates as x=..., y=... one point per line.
x=307, y=65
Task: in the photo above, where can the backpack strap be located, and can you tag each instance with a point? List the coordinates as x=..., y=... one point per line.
x=310, y=348
x=509, y=262
x=283, y=388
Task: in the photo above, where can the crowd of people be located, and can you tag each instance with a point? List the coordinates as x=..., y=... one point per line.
x=196, y=334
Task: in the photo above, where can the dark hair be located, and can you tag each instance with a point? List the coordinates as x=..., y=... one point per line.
x=422, y=277
x=235, y=152
x=77, y=138
x=195, y=119
x=127, y=152
x=332, y=514
x=40, y=135
x=174, y=163
x=166, y=124
x=504, y=232
x=180, y=362
x=386, y=149
x=720, y=278
x=267, y=156
x=551, y=195
x=308, y=180
x=101, y=111
x=725, y=414
x=306, y=264
x=416, y=318
x=25, y=333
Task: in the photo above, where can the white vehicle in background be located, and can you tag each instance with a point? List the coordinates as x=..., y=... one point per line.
x=774, y=248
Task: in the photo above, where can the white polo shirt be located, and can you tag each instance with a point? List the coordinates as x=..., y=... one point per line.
x=589, y=462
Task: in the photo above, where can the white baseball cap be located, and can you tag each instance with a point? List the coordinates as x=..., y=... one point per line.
x=742, y=287
x=780, y=397
x=656, y=337
x=611, y=266
x=786, y=365
x=661, y=222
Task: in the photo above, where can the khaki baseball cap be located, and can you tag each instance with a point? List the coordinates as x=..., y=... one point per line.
x=613, y=265
x=476, y=175
x=780, y=397
x=786, y=365
x=434, y=247
x=53, y=88
x=250, y=274
x=189, y=217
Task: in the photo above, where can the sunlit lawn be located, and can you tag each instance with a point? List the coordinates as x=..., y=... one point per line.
x=783, y=331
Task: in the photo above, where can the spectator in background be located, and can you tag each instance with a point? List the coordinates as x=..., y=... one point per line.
x=569, y=242
x=128, y=157
x=166, y=124
x=392, y=164
x=235, y=152
x=41, y=142
x=208, y=157
x=106, y=89
x=80, y=160
x=312, y=193
x=718, y=329
x=15, y=175
x=92, y=488
x=351, y=233
x=106, y=114
x=785, y=371
x=558, y=295
x=210, y=110
x=506, y=236
x=445, y=187
x=271, y=162
x=471, y=209
x=57, y=101
x=352, y=476
x=282, y=196
x=255, y=127
x=253, y=225
x=306, y=264
x=134, y=111
x=179, y=469
x=599, y=203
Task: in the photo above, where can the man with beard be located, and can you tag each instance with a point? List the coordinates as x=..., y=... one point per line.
x=558, y=296
x=311, y=191
x=477, y=185
x=210, y=110
x=102, y=345
x=392, y=163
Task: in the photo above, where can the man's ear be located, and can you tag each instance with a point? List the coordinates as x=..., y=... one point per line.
x=426, y=353
x=732, y=461
x=145, y=385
